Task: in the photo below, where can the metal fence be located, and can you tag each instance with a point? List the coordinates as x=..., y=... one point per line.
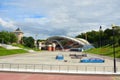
x=57, y=68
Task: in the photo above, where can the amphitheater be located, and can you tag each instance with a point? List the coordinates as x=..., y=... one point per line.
x=64, y=42
x=46, y=62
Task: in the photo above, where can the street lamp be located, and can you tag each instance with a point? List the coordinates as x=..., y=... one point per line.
x=36, y=45
x=86, y=36
x=114, y=60
x=100, y=30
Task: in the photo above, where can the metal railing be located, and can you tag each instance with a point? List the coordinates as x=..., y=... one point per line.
x=56, y=68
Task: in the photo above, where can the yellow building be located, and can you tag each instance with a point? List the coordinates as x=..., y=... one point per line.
x=19, y=35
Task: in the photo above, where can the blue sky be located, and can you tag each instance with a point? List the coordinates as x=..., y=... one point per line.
x=58, y=17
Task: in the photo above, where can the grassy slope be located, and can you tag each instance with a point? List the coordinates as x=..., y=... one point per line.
x=4, y=51
x=21, y=46
x=106, y=51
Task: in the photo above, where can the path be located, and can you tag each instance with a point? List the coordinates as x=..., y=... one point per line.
x=30, y=76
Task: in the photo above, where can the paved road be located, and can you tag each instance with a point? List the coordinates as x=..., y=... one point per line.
x=30, y=76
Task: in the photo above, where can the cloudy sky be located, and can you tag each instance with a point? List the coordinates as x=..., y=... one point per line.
x=58, y=17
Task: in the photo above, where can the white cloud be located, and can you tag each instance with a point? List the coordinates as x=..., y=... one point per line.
x=7, y=24
x=40, y=21
x=61, y=17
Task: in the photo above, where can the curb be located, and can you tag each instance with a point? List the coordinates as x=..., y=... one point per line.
x=62, y=72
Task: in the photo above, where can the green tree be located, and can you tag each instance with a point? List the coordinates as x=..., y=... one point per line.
x=105, y=36
x=13, y=37
x=119, y=42
x=7, y=37
x=117, y=34
x=28, y=41
x=4, y=36
x=92, y=36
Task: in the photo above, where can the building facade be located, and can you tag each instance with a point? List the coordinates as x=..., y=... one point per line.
x=19, y=35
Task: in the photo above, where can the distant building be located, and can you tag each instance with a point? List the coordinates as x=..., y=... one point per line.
x=19, y=35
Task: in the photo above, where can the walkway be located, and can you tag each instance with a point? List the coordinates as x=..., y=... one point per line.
x=30, y=76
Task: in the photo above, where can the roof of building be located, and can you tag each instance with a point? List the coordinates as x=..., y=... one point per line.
x=78, y=40
x=18, y=30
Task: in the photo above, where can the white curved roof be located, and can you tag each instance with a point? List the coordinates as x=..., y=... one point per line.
x=78, y=40
x=83, y=40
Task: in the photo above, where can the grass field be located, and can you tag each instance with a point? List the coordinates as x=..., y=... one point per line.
x=106, y=51
x=4, y=51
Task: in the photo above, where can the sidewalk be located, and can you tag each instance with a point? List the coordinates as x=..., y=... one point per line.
x=51, y=71
x=31, y=76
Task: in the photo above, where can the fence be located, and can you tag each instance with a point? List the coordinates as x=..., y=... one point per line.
x=57, y=68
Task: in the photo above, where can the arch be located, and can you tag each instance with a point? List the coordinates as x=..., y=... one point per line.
x=67, y=42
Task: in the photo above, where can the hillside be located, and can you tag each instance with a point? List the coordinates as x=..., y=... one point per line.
x=4, y=51
x=105, y=51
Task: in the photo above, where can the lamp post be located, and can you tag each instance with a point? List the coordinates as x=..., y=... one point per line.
x=114, y=60
x=86, y=36
x=100, y=30
x=36, y=42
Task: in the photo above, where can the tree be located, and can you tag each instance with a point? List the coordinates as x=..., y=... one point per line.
x=108, y=33
x=117, y=34
x=7, y=37
x=119, y=42
x=28, y=41
x=106, y=36
x=13, y=37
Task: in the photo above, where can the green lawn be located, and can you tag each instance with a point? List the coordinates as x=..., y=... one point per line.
x=4, y=51
x=22, y=46
x=106, y=51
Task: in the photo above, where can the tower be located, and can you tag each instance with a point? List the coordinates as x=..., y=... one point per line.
x=19, y=35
